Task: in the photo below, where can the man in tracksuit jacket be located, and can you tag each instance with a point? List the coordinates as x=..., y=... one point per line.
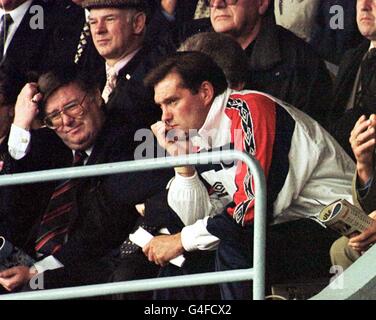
x=304, y=167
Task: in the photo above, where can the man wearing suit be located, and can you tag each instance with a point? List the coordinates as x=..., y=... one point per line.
x=27, y=33
x=346, y=251
x=350, y=99
x=118, y=30
x=103, y=211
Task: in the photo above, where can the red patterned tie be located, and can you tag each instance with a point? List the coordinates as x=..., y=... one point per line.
x=55, y=222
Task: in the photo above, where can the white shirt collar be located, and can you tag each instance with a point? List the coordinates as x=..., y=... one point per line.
x=215, y=120
x=18, y=13
x=121, y=63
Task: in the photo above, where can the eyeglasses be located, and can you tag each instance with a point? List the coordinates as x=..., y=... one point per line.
x=74, y=109
x=210, y=3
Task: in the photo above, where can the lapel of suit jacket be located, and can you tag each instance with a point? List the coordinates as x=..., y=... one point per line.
x=106, y=138
x=127, y=73
x=347, y=76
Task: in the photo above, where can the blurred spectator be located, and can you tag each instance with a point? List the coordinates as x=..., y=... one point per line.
x=355, y=85
x=279, y=62
x=346, y=251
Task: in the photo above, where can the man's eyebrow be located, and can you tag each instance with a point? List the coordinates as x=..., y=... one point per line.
x=64, y=106
x=170, y=99
x=104, y=17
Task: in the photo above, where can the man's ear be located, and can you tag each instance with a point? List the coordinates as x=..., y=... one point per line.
x=263, y=6
x=139, y=22
x=207, y=93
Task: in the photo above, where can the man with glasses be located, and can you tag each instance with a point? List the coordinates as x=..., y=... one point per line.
x=81, y=220
x=280, y=63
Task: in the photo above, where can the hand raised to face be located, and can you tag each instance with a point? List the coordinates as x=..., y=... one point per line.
x=363, y=140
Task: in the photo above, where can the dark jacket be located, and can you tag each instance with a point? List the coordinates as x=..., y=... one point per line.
x=342, y=121
x=106, y=205
x=29, y=47
x=286, y=67
x=5, y=193
x=345, y=80
x=367, y=201
x=131, y=103
x=280, y=64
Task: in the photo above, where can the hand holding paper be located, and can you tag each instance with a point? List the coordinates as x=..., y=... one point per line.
x=160, y=249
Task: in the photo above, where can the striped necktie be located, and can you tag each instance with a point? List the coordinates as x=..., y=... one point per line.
x=110, y=84
x=85, y=34
x=55, y=221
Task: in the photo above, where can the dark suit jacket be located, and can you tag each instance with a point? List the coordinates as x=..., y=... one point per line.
x=367, y=202
x=286, y=67
x=131, y=103
x=345, y=80
x=4, y=193
x=106, y=205
x=28, y=48
x=342, y=121
x=22, y=205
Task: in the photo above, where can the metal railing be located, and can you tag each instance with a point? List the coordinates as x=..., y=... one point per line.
x=257, y=273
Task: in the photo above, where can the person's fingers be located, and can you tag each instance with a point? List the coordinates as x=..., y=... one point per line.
x=365, y=147
x=365, y=135
x=37, y=97
x=8, y=273
x=357, y=130
x=363, y=245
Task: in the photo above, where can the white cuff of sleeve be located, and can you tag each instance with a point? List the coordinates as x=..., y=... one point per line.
x=48, y=263
x=197, y=237
x=18, y=143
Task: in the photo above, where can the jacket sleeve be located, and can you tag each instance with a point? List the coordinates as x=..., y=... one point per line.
x=367, y=202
